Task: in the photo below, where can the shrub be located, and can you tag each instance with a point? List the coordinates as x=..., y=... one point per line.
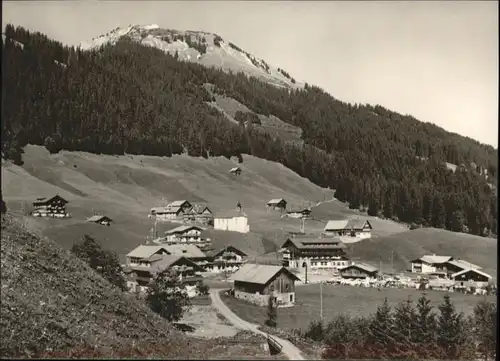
x=167, y=297
x=203, y=289
x=103, y=261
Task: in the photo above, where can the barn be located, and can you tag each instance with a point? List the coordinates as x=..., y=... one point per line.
x=255, y=283
x=358, y=270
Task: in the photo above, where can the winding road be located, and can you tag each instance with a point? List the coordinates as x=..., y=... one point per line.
x=289, y=349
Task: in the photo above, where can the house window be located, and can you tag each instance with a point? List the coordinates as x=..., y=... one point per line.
x=291, y=298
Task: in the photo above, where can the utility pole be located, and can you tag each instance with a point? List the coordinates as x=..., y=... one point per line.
x=392, y=261
x=380, y=267
x=321, y=300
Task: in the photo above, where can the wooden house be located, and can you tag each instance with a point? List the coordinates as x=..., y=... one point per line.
x=184, y=234
x=103, y=220
x=315, y=253
x=139, y=275
x=471, y=278
x=200, y=214
x=357, y=228
x=358, y=270
x=255, y=283
x=277, y=204
x=188, y=251
x=227, y=259
x=169, y=214
x=445, y=266
x=299, y=213
x=235, y=170
x=53, y=207
x=182, y=204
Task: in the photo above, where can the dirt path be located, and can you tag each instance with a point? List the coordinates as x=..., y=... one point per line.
x=289, y=349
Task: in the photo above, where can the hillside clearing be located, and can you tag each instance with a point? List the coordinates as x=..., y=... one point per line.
x=126, y=187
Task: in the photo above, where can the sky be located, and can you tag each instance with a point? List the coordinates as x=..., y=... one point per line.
x=437, y=61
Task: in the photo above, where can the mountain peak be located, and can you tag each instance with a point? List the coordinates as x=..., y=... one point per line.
x=202, y=47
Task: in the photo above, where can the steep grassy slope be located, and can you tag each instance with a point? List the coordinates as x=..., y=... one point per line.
x=126, y=187
x=410, y=245
x=54, y=305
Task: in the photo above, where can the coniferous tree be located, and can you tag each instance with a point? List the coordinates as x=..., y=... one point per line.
x=449, y=329
x=485, y=325
x=404, y=323
x=381, y=329
x=425, y=322
x=438, y=212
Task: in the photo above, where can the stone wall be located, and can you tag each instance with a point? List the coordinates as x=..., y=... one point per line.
x=262, y=300
x=256, y=299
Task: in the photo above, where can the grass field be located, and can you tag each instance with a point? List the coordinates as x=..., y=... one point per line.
x=126, y=187
x=337, y=299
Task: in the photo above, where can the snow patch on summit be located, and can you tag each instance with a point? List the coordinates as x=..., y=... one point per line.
x=197, y=46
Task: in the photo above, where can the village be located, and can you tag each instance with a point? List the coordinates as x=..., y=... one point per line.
x=301, y=258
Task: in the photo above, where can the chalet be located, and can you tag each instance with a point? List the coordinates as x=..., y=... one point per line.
x=170, y=214
x=443, y=266
x=429, y=264
x=235, y=221
x=358, y=270
x=227, y=259
x=184, y=234
x=471, y=278
x=255, y=283
x=315, y=253
x=139, y=275
x=144, y=251
x=103, y=220
x=349, y=228
x=183, y=204
x=188, y=251
x=299, y=213
x=199, y=214
x=235, y=170
x=53, y=207
x=277, y=204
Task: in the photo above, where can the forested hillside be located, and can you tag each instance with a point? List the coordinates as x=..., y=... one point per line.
x=128, y=98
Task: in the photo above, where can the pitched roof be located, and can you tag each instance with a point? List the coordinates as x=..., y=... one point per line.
x=145, y=251
x=258, y=273
x=160, y=263
x=433, y=259
x=463, y=264
x=44, y=200
x=317, y=243
x=230, y=214
x=335, y=225
x=198, y=209
x=177, y=203
x=471, y=270
x=234, y=169
x=362, y=266
x=346, y=224
x=222, y=250
x=304, y=210
x=182, y=229
x=97, y=218
x=276, y=201
x=167, y=209
x=186, y=250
